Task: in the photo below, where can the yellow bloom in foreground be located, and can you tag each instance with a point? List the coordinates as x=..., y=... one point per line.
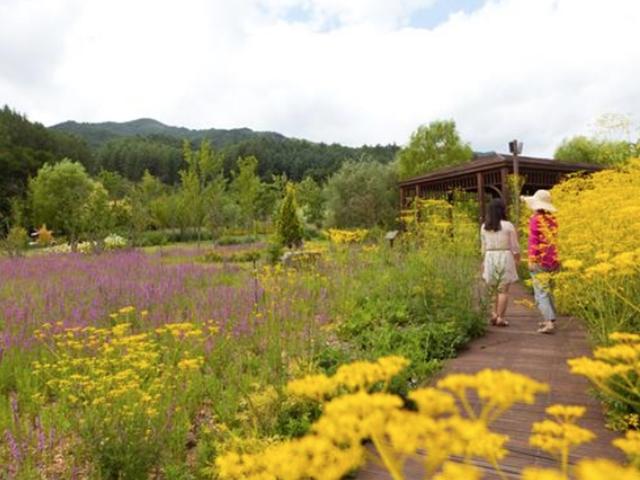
x=596, y=369
x=626, y=353
x=566, y=413
x=315, y=387
x=624, y=337
x=630, y=444
x=605, y=470
x=556, y=438
x=433, y=402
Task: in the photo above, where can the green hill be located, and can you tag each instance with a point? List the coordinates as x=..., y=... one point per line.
x=97, y=134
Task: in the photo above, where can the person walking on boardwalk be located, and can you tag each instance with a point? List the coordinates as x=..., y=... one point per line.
x=543, y=255
x=501, y=252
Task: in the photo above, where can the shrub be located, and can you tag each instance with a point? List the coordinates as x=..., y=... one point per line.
x=288, y=227
x=16, y=242
x=152, y=238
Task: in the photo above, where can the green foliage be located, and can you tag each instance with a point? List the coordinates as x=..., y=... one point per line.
x=214, y=256
x=431, y=147
x=312, y=201
x=581, y=149
x=288, y=227
x=274, y=252
x=117, y=186
x=97, y=216
x=245, y=187
x=27, y=146
x=16, y=242
x=362, y=195
x=59, y=194
x=131, y=147
x=236, y=239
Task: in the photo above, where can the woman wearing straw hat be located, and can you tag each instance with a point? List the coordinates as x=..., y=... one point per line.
x=543, y=254
x=501, y=252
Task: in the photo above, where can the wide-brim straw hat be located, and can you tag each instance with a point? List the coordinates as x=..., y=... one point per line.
x=541, y=200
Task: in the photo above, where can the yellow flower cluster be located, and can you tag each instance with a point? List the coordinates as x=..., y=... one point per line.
x=342, y=237
x=599, y=224
x=435, y=431
x=437, y=427
x=630, y=445
x=114, y=378
x=352, y=377
x=615, y=368
x=558, y=436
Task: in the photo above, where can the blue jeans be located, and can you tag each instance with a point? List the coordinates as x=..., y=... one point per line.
x=543, y=295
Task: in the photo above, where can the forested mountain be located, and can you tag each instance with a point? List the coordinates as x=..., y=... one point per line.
x=97, y=134
x=130, y=148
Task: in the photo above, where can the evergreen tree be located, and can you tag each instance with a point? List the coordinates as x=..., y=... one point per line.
x=288, y=226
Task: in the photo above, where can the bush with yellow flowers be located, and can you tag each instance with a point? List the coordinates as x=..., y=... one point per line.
x=343, y=236
x=436, y=426
x=599, y=228
x=123, y=393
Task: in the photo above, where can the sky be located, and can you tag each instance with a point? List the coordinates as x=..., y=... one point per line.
x=346, y=71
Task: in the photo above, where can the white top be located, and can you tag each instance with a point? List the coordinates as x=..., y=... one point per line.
x=504, y=239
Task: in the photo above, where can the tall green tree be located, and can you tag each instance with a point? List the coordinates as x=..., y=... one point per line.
x=245, y=187
x=97, y=216
x=26, y=146
x=431, y=147
x=362, y=195
x=288, y=226
x=581, y=149
x=142, y=198
x=202, y=186
x=312, y=201
x=58, y=195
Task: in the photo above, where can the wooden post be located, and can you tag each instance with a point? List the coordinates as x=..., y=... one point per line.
x=480, y=187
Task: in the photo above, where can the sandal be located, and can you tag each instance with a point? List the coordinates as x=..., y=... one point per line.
x=548, y=327
x=494, y=319
x=501, y=322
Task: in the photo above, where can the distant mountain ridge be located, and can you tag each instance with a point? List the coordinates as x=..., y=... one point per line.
x=97, y=134
x=132, y=147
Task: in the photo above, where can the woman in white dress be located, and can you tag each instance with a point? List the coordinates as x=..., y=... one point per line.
x=501, y=252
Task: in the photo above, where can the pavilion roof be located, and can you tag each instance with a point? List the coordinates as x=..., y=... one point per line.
x=495, y=161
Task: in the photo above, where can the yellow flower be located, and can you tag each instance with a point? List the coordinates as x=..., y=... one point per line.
x=604, y=469
x=572, y=264
x=630, y=444
x=596, y=370
x=457, y=471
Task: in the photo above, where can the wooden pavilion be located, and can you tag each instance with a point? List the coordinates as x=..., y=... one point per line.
x=487, y=175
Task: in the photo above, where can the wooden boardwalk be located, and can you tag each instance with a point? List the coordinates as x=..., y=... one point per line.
x=544, y=358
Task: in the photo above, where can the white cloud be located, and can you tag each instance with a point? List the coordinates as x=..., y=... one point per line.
x=351, y=72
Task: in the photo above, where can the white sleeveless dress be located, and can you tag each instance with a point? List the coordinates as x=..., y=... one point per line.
x=498, y=249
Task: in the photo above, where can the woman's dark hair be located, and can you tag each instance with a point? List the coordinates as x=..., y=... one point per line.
x=495, y=212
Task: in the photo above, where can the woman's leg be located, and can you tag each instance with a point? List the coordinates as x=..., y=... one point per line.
x=501, y=304
x=544, y=301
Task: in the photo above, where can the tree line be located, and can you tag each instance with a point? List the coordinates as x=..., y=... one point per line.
x=158, y=182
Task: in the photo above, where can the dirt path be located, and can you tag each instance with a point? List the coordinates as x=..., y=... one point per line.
x=543, y=357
